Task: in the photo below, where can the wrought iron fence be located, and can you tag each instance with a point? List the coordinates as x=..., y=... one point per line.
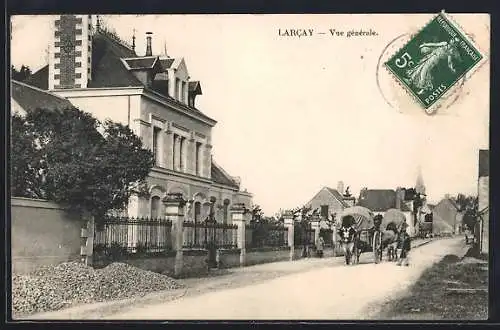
x=123, y=235
x=266, y=235
x=209, y=234
x=303, y=234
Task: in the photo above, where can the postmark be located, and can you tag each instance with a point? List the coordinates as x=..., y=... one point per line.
x=434, y=61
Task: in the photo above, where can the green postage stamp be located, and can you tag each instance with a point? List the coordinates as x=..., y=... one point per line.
x=434, y=60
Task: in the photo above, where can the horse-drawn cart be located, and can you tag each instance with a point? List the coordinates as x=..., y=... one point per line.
x=359, y=234
x=393, y=223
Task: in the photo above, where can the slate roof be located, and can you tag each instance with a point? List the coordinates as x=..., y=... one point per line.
x=337, y=195
x=30, y=98
x=378, y=200
x=166, y=63
x=484, y=163
x=219, y=176
x=108, y=70
x=39, y=79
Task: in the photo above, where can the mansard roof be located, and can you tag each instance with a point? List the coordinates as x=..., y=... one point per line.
x=109, y=69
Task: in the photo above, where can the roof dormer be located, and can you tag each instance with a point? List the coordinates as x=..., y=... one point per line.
x=176, y=75
x=143, y=68
x=194, y=90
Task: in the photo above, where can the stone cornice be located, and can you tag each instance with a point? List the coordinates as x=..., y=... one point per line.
x=154, y=96
x=143, y=122
x=203, y=136
x=182, y=128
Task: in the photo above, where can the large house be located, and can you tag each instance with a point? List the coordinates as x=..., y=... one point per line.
x=154, y=95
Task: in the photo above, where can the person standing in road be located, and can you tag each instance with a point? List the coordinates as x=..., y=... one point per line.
x=404, y=245
x=319, y=246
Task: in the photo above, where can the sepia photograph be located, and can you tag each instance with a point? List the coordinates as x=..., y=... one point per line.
x=250, y=166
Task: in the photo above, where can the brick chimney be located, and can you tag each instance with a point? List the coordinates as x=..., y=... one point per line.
x=149, y=51
x=70, y=52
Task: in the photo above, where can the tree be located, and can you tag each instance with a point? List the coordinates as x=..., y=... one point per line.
x=469, y=206
x=74, y=164
x=25, y=179
x=21, y=75
x=465, y=203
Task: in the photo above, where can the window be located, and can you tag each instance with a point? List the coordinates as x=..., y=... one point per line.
x=177, y=85
x=226, y=211
x=181, y=154
x=183, y=96
x=197, y=158
x=174, y=151
x=155, y=207
x=156, y=145
x=324, y=211
x=197, y=212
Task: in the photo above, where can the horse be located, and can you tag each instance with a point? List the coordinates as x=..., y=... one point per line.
x=391, y=244
x=348, y=239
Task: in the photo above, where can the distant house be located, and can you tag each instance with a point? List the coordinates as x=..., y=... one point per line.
x=483, y=198
x=446, y=217
x=380, y=201
x=330, y=201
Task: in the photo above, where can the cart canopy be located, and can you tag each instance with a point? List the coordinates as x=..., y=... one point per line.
x=363, y=217
x=394, y=216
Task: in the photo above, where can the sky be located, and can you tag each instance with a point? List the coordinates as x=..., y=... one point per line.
x=297, y=114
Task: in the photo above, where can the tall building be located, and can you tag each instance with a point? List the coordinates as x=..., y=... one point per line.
x=154, y=95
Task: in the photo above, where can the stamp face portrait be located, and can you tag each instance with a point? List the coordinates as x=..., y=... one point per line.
x=434, y=61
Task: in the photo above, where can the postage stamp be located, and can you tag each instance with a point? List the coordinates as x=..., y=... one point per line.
x=434, y=60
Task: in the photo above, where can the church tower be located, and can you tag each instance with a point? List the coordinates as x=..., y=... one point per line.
x=70, y=57
x=419, y=186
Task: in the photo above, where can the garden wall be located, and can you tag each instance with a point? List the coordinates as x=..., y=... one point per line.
x=195, y=262
x=159, y=263
x=228, y=258
x=43, y=233
x=266, y=254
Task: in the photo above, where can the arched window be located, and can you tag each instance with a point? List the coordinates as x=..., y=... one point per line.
x=197, y=212
x=155, y=207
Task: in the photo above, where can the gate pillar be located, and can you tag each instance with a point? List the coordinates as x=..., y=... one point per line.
x=238, y=212
x=289, y=223
x=174, y=210
x=315, y=226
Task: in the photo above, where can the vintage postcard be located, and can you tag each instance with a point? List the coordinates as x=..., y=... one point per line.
x=250, y=167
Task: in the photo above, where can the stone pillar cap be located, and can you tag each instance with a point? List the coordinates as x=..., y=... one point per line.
x=174, y=198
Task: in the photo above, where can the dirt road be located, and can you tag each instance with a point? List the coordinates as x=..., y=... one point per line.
x=331, y=292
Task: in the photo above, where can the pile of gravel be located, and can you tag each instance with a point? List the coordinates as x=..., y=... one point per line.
x=51, y=288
